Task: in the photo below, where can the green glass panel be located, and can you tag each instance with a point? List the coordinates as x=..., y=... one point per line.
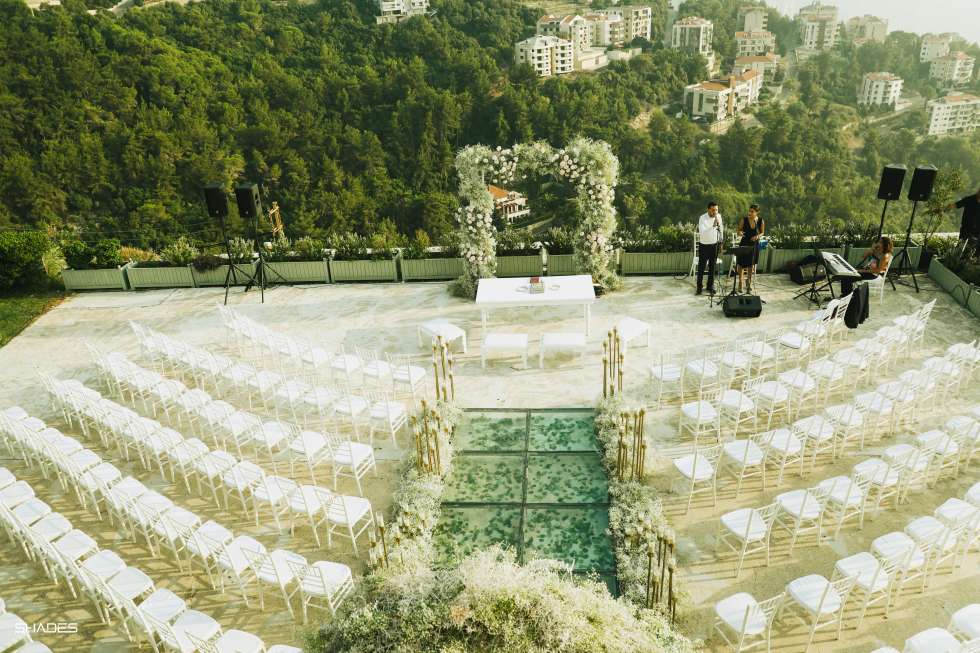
x=574, y=535
x=566, y=478
x=492, y=431
x=564, y=431
x=486, y=478
x=462, y=531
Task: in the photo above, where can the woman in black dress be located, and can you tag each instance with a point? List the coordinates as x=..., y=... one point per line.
x=750, y=229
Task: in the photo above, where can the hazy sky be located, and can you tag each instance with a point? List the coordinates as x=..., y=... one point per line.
x=919, y=16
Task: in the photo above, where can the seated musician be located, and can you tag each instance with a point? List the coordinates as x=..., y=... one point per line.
x=874, y=264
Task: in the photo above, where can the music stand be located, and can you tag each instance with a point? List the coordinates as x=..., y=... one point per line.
x=813, y=292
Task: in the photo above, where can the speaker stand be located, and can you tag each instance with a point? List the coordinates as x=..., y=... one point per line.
x=904, y=261
x=881, y=225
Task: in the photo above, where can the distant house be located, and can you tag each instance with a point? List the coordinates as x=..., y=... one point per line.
x=957, y=113
x=393, y=11
x=818, y=26
x=934, y=46
x=509, y=205
x=750, y=43
x=880, y=89
x=867, y=29
x=718, y=99
x=695, y=34
x=752, y=18
x=765, y=64
x=955, y=68
x=548, y=55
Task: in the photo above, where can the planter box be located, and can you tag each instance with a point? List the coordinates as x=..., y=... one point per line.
x=950, y=282
x=562, y=264
x=973, y=303
x=106, y=279
x=656, y=263
x=298, y=272
x=216, y=277
x=431, y=269
x=363, y=270
x=520, y=266
x=160, y=277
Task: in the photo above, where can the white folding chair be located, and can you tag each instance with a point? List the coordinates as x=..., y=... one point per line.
x=818, y=603
x=746, y=531
x=745, y=623
x=700, y=472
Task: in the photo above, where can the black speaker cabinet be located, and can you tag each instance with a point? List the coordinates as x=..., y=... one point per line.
x=742, y=306
x=923, y=180
x=892, y=179
x=217, y=200
x=249, y=204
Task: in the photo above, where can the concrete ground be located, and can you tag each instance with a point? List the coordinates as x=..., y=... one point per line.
x=385, y=316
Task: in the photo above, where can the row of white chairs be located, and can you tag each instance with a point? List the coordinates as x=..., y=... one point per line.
x=115, y=588
x=225, y=425
x=371, y=369
x=962, y=635
x=895, y=561
x=890, y=404
x=826, y=437
x=829, y=504
x=720, y=367
x=278, y=394
x=146, y=513
x=15, y=634
x=217, y=469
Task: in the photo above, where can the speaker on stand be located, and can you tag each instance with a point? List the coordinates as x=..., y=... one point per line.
x=920, y=190
x=217, y=202
x=890, y=188
x=250, y=206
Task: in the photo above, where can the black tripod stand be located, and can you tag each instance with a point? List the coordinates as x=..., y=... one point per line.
x=234, y=269
x=260, y=277
x=904, y=261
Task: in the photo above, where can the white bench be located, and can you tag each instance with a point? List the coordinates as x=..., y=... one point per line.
x=570, y=342
x=442, y=327
x=629, y=328
x=505, y=343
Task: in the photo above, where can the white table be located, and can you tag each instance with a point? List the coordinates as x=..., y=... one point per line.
x=575, y=290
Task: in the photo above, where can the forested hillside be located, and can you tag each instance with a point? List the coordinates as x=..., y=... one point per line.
x=112, y=125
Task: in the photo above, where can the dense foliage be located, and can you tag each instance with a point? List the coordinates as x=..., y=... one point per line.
x=21, y=258
x=110, y=126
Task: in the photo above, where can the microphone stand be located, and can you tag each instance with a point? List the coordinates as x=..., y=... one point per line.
x=719, y=243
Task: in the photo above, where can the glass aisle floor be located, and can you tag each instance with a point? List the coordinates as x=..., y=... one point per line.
x=532, y=480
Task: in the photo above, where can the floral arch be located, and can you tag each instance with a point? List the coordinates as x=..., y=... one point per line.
x=589, y=165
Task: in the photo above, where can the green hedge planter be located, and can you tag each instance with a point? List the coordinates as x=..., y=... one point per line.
x=656, y=263
x=973, y=303
x=363, y=271
x=298, y=272
x=157, y=277
x=106, y=279
x=216, y=277
x=431, y=269
x=780, y=258
x=562, y=264
x=520, y=266
x=951, y=283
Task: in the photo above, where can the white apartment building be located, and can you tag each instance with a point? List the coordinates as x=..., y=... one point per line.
x=393, y=11
x=867, y=28
x=955, y=68
x=693, y=34
x=818, y=26
x=880, y=88
x=934, y=46
x=548, y=55
x=718, y=99
x=673, y=10
x=607, y=30
x=957, y=113
x=766, y=65
x=750, y=43
x=753, y=19
x=570, y=28
x=637, y=20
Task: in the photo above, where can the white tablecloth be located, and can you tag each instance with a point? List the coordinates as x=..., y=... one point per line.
x=575, y=290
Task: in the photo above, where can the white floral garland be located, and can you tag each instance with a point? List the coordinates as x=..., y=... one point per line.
x=590, y=165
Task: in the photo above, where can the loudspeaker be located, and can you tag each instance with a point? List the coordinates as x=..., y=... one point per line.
x=217, y=200
x=249, y=203
x=922, y=181
x=742, y=306
x=892, y=179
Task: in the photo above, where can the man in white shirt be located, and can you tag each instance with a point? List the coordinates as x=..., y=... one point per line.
x=710, y=237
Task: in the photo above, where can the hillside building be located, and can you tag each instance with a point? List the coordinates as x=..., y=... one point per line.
x=607, y=30
x=753, y=18
x=393, y=11
x=934, y=46
x=766, y=65
x=718, y=99
x=695, y=34
x=818, y=26
x=957, y=113
x=637, y=20
x=508, y=204
x=575, y=29
x=751, y=43
x=867, y=29
x=548, y=55
x=880, y=89
x=956, y=69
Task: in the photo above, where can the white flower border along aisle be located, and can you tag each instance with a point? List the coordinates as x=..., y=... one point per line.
x=589, y=165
